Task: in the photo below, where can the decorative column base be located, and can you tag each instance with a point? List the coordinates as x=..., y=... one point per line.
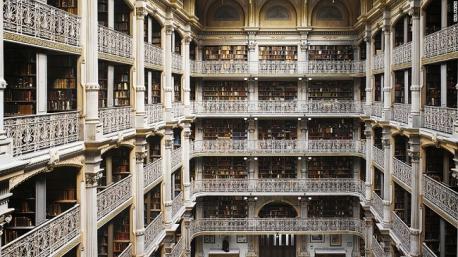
x=386, y=223
x=415, y=246
x=168, y=215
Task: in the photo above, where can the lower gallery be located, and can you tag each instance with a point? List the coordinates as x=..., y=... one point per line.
x=228, y=128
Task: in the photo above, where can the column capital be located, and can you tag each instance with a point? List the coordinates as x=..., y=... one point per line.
x=140, y=157
x=4, y=219
x=169, y=29
x=92, y=179
x=92, y=87
x=414, y=8
x=141, y=12
x=3, y=84
x=187, y=40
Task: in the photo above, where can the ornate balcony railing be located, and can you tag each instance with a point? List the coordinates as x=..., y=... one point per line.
x=220, y=146
x=277, y=67
x=359, y=66
x=177, y=203
x=222, y=67
x=154, y=113
x=177, y=62
x=378, y=156
x=153, y=54
x=277, y=146
x=152, y=171
x=401, y=112
x=332, y=107
x=402, y=54
x=377, y=248
x=276, y=225
x=379, y=62
x=275, y=106
x=177, y=249
x=127, y=251
x=47, y=238
x=39, y=20
x=441, y=196
x=153, y=230
x=401, y=231
x=114, y=42
x=335, y=186
x=37, y=132
x=402, y=171
x=427, y=252
x=441, y=42
x=377, y=109
x=377, y=204
x=334, y=66
x=440, y=118
x=335, y=146
x=219, y=107
x=175, y=162
x=116, y=119
x=178, y=110
x=113, y=196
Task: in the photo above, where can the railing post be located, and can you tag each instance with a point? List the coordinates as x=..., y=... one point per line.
x=186, y=75
x=415, y=219
x=369, y=77
x=168, y=31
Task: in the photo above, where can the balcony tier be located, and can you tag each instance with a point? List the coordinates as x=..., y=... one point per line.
x=114, y=196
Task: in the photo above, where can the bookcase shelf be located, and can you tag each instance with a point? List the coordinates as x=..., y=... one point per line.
x=330, y=167
x=451, y=83
x=103, y=83
x=177, y=88
x=177, y=182
x=121, y=167
x=102, y=12
x=121, y=17
x=224, y=168
x=61, y=83
x=155, y=87
x=277, y=167
x=20, y=74
x=323, y=90
x=226, y=53
x=277, y=90
x=330, y=129
x=60, y=192
x=152, y=204
x=278, y=53
x=330, y=53
x=224, y=90
x=433, y=87
x=121, y=84
x=70, y=6
x=234, y=129
x=154, y=148
x=277, y=129
x=330, y=207
x=277, y=210
x=225, y=207
x=121, y=229
x=378, y=87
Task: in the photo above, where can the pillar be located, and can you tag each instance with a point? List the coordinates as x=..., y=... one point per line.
x=42, y=83
x=387, y=95
x=186, y=157
x=252, y=239
x=414, y=117
x=368, y=223
x=386, y=140
x=167, y=33
x=3, y=142
x=167, y=147
x=140, y=117
x=186, y=75
x=93, y=129
x=369, y=79
x=368, y=132
x=302, y=239
x=252, y=53
x=140, y=155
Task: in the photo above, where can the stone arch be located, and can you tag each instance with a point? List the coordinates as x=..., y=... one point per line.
x=278, y=14
x=225, y=14
x=329, y=13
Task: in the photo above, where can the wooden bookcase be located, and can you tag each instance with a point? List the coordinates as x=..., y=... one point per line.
x=332, y=128
x=155, y=87
x=226, y=53
x=225, y=207
x=330, y=167
x=399, y=93
x=103, y=83
x=278, y=53
x=235, y=129
x=121, y=17
x=331, y=52
x=121, y=167
x=451, y=83
x=330, y=90
x=433, y=87
x=277, y=90
x=152, y=204
x=224, y=90
x=277, y=167
x=154, y=148
x=224, y=168
x=60, y=192
x=177, y=88
x=20, y=74
x=378, y=87
x=121, y=85
x=177, y=182
x=70, y=6
x=433, y=17
x=61, y=83
x=330, y=207
x=402, y=203
x=277, y=129
x=121, y=238
x=102, y=241
x=102, y=10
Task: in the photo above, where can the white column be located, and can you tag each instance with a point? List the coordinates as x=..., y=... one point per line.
x=186, y=156
x=110, y=86
x=150, y=29
x=167, y=33
x=369, y=78
x=167, y=146
x=40, y=200
x=252, y=53
x=443, y=88
x=150, y=87
x=415, y=219
x=140, y=117
x=387, y=66
x=386, y=140
x=414, y=117
x=140, y=154
x=368, y=132
x=110, y=14
x=42, y=83
x=186, y=75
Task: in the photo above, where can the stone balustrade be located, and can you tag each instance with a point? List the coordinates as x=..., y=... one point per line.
x=113, y=196
x=377, y=204
x=440, y=118
x=177, y=249
x=378, y=156
x=115, y=43
x=152, y=171
x=441, y=196
x=402, y=54
x=401, y=112
x=115, y=119
x=152, y=232
x=154, y=113
x=378, y=62
x=177, y=204
x=377, y=248
x=402, y=171
x=153, y=54
x=401, y=231
x=441, y=42
x=176, y=159
x=177, y=62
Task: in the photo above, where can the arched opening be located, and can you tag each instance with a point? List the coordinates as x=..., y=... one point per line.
x=115, y=166
x=402, y=30
x=225, y=14
x=278, y=14
x=330, y=14
x=438, y=166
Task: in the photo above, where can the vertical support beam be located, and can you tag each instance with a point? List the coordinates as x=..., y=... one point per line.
x=186, y=157
x=415, y=225
x=368, y=132
x=443, y=81
x=387, y=95
x=386, y=140
x=167, y=146
x=415, y=87
x=110, y=13
x=150, y=87
x=369, y=78
x=140, y=116
x=252, y=53
x=110, y=85
x=40, y=200
x=186, y=80
x=42, y=83
x=167, y=33
x=368, y=223
x=252, y=240
x=140, y=155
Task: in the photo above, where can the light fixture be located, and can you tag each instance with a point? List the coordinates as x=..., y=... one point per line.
x=245, y=79
x=310, y=158
x=255, y=118
x=310, y=198
x=245, y=118
x=310, y=78
x=299, y=198
x=245, y=158
x=299, y=158
x=299, y=119
x=299, y=78
x=255, y=198
x=245, y=198
x=255, y=78
x=255, y=158
x=309, y=118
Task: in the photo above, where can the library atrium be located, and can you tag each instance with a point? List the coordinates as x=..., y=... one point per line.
x=229, y=128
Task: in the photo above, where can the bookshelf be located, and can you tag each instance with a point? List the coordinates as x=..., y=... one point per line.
x=224, y=90
x=277, y=167
x=451, y=84
x=224, y=168
x=20, y=74
x=226, y=53
x=330, y=167
x=70, y=6
x=330, y=52
x=277, y=129
x=277, y=210
x=155, y=31
x=155, y=87
x=60, y=191
x=102, y=12
x=121, y=85
x=177, y=182
x=177, y=88
x=332, y=128
x=152, y=204
x=331, y=90
x=277, y=90
x=154, y=148
x=61, y=83
x=330, y=207
x=220, y=129
x=103, y=83
x=121, y=17
x=120, y=159
x=225, y=207
x=278, y=53
x=399, y=93
x=378, y=87
x=433, y=17
x=121, y=229
x=102, y=241
x=433, y=87
x=402, y=203
x=401, y=147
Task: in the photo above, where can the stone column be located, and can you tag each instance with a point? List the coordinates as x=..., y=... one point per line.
x=186, y=156
x=415, y=219
x=386, y=140
x=369, y=78
x=414, y=117
x=387, y=95
x=140, y=118
x=140, y=155
x=368, y=132
x=252, y=53
x=3, y=141
x=186, y=75
x=167, y=33
x=93, y=129
x=368, y=223
x=92, y=174
x=167, y=147
x=302, y=239
x=252, y=240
